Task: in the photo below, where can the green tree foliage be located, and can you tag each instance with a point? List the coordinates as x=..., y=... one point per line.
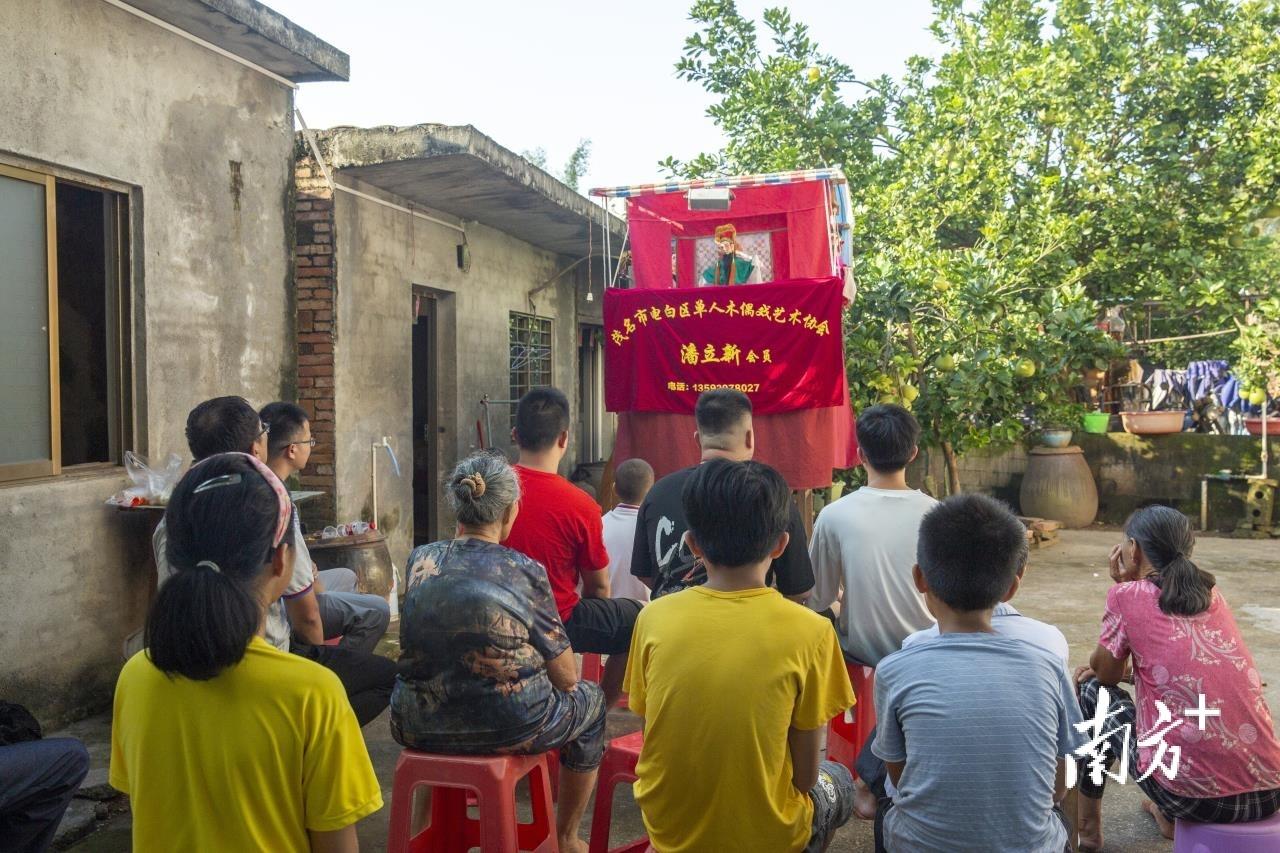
x=1053, y=158
x=1256, y=351
x=536, y=156
x=574, y=168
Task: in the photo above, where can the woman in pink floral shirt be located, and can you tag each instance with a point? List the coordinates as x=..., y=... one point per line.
x=1166, y=613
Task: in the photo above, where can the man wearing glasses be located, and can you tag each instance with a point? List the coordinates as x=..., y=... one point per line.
x=359, y=619
x=230, y=425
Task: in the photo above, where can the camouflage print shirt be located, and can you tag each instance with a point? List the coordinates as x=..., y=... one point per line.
x=478, y=627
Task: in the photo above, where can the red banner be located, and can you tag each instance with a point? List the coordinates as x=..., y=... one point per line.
x=779, y=343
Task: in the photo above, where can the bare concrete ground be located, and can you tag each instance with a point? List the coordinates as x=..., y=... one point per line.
x=1065, y=585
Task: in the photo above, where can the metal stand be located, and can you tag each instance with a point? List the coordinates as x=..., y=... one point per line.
x=1258, y=494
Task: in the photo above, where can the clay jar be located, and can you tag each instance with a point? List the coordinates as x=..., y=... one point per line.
x=1058, y=485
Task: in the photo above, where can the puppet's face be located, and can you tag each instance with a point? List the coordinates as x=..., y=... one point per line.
x=725, y=245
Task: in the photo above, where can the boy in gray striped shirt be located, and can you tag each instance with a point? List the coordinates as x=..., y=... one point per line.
x=973, y=727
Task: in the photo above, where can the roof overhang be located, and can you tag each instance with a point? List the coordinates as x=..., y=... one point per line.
x=462, y=172
x=254, y=33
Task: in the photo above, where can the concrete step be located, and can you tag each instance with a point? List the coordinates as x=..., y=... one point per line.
x=80, y=819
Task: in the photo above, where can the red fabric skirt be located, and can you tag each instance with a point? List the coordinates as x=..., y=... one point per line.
x=805, y=446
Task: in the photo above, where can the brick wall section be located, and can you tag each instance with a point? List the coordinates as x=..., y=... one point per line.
x=315, y=281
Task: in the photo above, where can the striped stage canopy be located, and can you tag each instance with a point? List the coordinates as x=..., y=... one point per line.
x=771, y=179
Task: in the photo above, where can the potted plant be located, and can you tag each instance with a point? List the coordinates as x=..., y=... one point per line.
x=1058, y=483
x=1056, y=421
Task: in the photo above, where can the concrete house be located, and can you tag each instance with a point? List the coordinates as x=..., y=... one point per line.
x=146, y=229
x=438, y=276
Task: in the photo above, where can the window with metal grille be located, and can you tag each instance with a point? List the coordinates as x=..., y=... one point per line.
x=529, y=343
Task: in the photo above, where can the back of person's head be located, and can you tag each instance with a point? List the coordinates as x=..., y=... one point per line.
x=222, y=425
x=632, y=481
x=723, y=417
x=970, y=549
x=1166, y=540
x=541, y=416
x=225, y=519
x=736, y=511
x=481, y=488
x=285, y=422
x=887, y=437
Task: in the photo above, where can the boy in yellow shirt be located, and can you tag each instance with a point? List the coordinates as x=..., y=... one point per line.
x=735, y=684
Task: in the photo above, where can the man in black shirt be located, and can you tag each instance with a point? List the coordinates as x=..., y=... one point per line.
x=660, y=558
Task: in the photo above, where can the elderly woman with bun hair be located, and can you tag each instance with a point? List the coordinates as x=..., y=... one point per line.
x=486, y=666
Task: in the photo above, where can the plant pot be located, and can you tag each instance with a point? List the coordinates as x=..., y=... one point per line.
x=1096, y=423
x=1153, y=423
x=1254, y=426
x=1055, y=437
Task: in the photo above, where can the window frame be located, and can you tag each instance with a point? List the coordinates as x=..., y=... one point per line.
x=528, y=380
x=120, y=340
x=52, y=466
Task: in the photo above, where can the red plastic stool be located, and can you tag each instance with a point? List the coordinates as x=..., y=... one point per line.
x=553, y=771
x=593, y=671
x=592, y=667
x=845, y=736
x=493, y=780
x=619, y=766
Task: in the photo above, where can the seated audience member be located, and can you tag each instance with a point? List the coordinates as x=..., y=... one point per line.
x=1008, y=622
x=38, y=778
x=631, y=482
x=864, y=544
x=230, y=425
x=736, y=684
x=487, y=667
x=1167, y=615
x=1005, y=621
x=221, y=740
x=660, y=558
x=560, y=527
x=360, y=620
x=973, y=726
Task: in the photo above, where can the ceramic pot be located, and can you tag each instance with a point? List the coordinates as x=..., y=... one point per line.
x=1055, y=437
x=366, y=555
x=1058, y=485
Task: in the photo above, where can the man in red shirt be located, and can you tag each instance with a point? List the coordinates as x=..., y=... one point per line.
x=559, y=526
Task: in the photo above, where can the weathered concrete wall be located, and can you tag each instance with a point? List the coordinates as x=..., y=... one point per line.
x=380, y=255
x=1130, y=470
x=204, y=144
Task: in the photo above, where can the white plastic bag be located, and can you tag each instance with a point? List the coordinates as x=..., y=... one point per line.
x=150, y=485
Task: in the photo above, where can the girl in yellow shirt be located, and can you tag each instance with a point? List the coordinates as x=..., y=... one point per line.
x=222, y=741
